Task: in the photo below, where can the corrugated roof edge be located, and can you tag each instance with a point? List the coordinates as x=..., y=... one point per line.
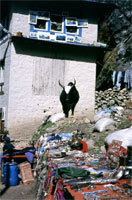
x=101, y=2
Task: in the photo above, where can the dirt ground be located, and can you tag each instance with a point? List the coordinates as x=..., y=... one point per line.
x=79, y=122
x=19, y=192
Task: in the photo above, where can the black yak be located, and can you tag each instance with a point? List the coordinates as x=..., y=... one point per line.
x=69, y=98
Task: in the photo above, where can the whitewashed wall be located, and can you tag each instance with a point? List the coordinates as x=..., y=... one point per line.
x=26, y=106
x=89, y=35
x=4, y=99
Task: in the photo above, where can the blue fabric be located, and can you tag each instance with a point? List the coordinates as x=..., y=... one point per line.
x=7, y=139
x=21, y=151
x=65, y=135
x=107, y=110
x=118, y=78
x=28, y=151
x=54, y=172
x=41, y=149
x=29, y=156
x=57, y=137
x=1, y=157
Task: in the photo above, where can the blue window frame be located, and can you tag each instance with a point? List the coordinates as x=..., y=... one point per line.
x=54, y=24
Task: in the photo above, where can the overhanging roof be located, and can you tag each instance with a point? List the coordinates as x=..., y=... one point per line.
x=44, y=42
x=57, y=50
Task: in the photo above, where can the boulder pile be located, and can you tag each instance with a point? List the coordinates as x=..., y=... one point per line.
x=111, y=97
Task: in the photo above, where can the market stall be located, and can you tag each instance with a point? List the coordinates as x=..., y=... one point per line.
x=64, y=172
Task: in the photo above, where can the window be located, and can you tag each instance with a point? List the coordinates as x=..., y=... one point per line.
x=41, y=24
x=72, y=30
x=60, y=37
x=43, y=15
x=56, y=23
x=71, y=25
x=71, y=21
x=33, y=17
x=43, y=35
x=55, y=27
x=2, y=118
x=83, y=23
x=1, y=81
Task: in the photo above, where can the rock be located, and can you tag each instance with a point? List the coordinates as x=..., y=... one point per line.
x=128, y=104
x=120, y=97
x=111, y=97
x=87, y=120
x=104, y=106
x=94, y=136
x=112, y=102
x=90, y=144
x=103, y=150
x=51, y=129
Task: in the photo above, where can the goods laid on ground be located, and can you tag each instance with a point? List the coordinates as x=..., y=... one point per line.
x=26, y=173
x=64, y=172
x=16, y=165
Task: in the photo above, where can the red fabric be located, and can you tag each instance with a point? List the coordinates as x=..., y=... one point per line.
x=18, y=156
x=123, y=150
x=50, y=196
x=115, y=195
x=85, y=146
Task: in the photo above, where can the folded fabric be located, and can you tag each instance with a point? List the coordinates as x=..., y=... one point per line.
x=21, y=151
x=29, y=156
x=1, y=157
x=85, y=146
x=71, y=172
x=57, y=137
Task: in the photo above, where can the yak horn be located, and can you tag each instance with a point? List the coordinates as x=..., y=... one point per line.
x=61, y=84
x=74, y=82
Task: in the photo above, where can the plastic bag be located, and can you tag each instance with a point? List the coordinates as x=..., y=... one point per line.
x=56, y=117
x=102, y=124
x=101, y=115
x=124, y=135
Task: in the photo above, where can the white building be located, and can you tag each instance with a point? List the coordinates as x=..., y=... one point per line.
x=50, y=42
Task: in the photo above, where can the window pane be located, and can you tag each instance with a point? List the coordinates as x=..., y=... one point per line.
x=41, y=24
x=56, y=23
x=71, y=29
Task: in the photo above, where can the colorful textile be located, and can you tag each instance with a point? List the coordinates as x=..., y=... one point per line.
x=71, y=172
x=84, y=146
x=128, y=78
